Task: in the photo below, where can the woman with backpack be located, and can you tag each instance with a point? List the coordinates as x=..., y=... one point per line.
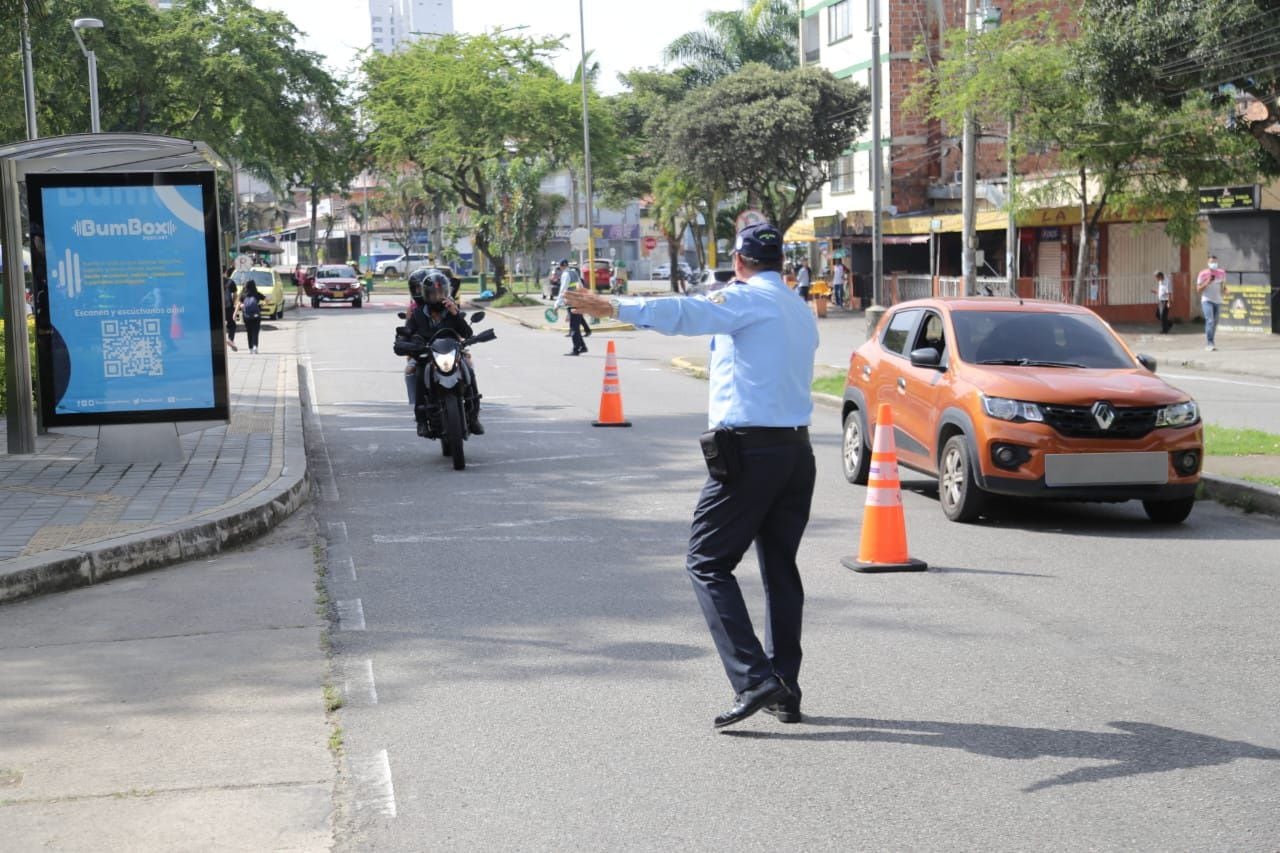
x=251, y=313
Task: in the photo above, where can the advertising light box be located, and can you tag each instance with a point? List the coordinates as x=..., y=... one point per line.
x=129, y=318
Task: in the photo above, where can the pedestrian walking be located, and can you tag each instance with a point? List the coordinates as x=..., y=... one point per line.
x=803, y=280
x=1164, y=293
x=760, y=464
x=1211, y=284
x=251, y=313
x=229, y=306
x=839, y=273
x=569, y=280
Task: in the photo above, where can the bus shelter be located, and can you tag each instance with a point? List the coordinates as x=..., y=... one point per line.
x=123, y=232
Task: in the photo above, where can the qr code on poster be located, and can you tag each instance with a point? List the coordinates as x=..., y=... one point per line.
x=131, y=348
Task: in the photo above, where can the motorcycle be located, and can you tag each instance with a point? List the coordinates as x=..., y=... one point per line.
x=443, y=384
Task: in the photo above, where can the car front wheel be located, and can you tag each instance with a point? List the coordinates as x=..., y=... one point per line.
x=960, y=496
x=1169, y=512
x=855, y=453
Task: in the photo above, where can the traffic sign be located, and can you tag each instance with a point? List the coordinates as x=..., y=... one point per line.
x=578, y=238
x=243, y=262
x=650, y=243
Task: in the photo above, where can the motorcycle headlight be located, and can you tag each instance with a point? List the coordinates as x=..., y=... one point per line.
x=446, y=360
x=1178, y=415
x=1012, y=410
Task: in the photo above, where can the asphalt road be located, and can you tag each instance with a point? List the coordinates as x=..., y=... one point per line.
x=526, y=667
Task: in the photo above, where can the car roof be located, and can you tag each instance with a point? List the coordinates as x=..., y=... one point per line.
x=996, y=303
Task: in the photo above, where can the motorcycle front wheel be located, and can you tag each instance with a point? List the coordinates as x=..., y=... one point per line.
x=454, y=426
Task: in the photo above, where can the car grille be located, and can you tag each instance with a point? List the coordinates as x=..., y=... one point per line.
x=1078, y=421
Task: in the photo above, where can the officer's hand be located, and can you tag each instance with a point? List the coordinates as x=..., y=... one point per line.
x=588, y=303
x=450, y=306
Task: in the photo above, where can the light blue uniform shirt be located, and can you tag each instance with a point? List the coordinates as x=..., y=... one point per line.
x=761, y=366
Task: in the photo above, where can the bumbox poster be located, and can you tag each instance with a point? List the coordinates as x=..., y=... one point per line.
x=128, y=298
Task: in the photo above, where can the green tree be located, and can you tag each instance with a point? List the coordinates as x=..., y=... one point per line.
x=1143, y=157
x=404, y=206
x=221, y=71
x=456, y=105
x=767, y=32
x=767, y=133
x=1166, y=51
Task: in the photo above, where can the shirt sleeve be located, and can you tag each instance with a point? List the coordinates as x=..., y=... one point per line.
x=725, y=314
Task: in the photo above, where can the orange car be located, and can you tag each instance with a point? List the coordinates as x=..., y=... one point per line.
x=1022, y=398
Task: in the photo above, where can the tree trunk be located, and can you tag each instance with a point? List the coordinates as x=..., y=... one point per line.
x=314, y=201
x=1082, y=251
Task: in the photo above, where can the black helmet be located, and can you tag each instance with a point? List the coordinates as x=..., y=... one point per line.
x=435, y=286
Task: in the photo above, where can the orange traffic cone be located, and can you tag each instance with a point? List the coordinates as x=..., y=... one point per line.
x=611, y=394
x=884, y=530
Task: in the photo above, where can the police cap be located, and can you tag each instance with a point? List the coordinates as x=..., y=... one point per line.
x=759, y=243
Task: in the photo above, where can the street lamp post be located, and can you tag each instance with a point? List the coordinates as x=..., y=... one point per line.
x=28, y=76
x=586, y=152
x=90, y=24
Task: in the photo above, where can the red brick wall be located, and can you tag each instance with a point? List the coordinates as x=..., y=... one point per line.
x=930, y=153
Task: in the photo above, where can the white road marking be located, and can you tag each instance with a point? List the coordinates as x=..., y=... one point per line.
x=403, y=429
x=350, y=615
x=1184, y=376
x=345, y=570
x=358, y=686
x=375, y=795
x=535, y=459
x=338, y=531
x=435, y=537
x=412, y=540
x=328, y=482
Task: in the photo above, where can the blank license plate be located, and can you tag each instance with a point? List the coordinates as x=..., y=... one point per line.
x=1106, y=469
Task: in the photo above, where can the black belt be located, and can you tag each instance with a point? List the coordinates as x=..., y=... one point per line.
x=771, y=436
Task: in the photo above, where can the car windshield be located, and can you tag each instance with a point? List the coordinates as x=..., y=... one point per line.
x=336, y=272
x=1038, y=339
x=261, y=278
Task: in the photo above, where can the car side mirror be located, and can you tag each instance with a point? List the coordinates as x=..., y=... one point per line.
x=926, y=357
x=477, y=317
x=1147, y=361
x=402, y=315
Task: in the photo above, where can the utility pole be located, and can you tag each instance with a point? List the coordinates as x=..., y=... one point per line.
x=1011, y=230
x=968, y=259
x=876, y=310
x=28, y=74
x=589, y=283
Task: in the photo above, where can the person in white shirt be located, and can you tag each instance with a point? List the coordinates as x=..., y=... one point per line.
x=1164, y=294
x=838, y=274
x=1211, y=284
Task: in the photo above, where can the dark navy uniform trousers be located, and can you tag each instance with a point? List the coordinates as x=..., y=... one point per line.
x=767, y=503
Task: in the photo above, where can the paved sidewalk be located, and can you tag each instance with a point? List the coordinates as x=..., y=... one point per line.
x=67, y=521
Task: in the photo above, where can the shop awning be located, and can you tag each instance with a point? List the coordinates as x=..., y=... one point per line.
x=800, y=232
x=893, y=239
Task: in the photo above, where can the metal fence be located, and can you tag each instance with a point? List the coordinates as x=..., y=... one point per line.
x=913, y=287
x=1100, y=290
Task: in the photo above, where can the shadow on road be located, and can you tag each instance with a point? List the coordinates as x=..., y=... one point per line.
x=1137, y=748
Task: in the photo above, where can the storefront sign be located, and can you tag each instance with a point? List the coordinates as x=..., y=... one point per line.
x=1247, y=308
x=1229, y=199
x=1050, y=235
x=129, y=316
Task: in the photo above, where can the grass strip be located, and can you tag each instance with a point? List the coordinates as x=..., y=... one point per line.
x=833, y=385
x=1225, y=441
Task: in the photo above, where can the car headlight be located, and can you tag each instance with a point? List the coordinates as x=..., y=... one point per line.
x=1012, y=410
x=1178, y=415
x=446, y=360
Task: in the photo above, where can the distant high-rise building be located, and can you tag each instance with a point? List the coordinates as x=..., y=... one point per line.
x=393, y=23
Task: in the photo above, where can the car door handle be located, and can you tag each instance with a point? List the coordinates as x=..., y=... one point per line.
x=866, y=371
x=902, y=384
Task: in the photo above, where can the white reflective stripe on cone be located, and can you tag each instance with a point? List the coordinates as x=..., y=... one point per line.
x=887, y=470
x=882, y=497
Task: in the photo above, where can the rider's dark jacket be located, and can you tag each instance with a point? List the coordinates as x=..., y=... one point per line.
x=420, y=322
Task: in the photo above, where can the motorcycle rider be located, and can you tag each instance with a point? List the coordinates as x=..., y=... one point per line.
x=434, y=309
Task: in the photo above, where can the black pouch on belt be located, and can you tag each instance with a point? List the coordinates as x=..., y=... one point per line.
x=720, y=449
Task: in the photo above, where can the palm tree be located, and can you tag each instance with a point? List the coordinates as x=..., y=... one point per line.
x=765, y=32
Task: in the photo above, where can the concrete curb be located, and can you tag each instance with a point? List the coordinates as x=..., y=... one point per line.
x=1250, y=497
x=233, y=524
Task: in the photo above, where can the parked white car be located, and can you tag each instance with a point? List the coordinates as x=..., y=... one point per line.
x=663, y=270
x=402, y=265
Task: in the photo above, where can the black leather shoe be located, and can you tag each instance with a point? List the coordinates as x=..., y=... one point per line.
x=787, y=711
x=422, y=428
x=575, y=352
x=745, y=704
x=476, y=427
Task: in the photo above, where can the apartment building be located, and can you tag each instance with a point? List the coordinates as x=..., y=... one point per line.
x=393, y=23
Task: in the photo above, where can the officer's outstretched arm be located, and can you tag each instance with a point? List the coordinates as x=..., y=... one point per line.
x=723, y=312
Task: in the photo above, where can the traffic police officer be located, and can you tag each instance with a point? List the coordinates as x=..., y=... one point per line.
x=760, y=371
